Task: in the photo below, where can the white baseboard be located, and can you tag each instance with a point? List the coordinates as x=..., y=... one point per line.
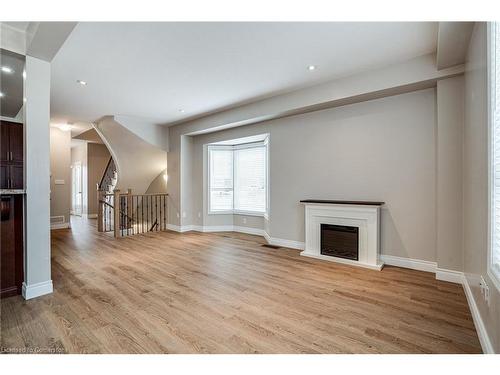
x=248, y=230
x=180, y=229
x=213, y=228
x=449, y=275
x=38, y=289
x=59, y=226
x=484, y=339
x=443, y=274
x=377, y=267
x=285, y=243
x=414, y=264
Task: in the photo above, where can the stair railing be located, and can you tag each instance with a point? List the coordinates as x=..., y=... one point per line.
x=128, y=214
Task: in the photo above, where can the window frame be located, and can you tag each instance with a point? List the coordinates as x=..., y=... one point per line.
x=264, y=143
x=493, y=270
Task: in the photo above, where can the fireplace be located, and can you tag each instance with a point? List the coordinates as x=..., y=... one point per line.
x=339, y=241
x=345, y=232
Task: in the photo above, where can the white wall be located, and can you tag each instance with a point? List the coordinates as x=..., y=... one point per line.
x=475, y=183
x=37, y=278
x=378, y=150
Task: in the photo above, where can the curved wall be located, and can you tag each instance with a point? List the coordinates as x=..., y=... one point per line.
x=138, y=162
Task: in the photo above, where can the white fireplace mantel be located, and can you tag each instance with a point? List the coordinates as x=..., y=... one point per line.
x=364, y=215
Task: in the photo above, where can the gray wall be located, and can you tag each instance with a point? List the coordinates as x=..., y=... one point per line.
x=60, y=169
x=475, y=182
x=450, y=124
x=158, y=185
x=383, y=149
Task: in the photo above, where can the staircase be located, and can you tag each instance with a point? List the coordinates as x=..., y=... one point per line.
x=119, y=210
x=109, y=178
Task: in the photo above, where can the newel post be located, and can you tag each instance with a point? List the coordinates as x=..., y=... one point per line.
x=100, y=209
x=116, y=210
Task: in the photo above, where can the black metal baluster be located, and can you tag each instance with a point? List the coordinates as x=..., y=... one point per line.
x=160, y=212
x=122, y=222
x=108, y=219
x=165, y=212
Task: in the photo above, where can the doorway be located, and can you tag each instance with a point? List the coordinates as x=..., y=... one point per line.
x=76, y=189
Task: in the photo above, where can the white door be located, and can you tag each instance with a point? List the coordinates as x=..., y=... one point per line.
x=76, y=189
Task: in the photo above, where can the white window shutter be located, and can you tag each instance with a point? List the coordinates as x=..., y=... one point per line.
x=250, y=179
x=221, y=179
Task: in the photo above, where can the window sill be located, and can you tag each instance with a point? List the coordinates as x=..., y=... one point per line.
x=220, y=213
x=249, y=213
x=241, y=213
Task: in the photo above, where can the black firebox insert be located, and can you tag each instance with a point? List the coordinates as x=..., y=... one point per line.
x=340, y=241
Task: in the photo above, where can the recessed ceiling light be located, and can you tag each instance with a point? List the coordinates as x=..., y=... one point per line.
x=2, y=94
x=83, y=83
x=65, y=127
x=311, y=67
x=181, y=111
x=6, y=69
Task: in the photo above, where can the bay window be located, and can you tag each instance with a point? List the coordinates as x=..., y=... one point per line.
x=237, y=178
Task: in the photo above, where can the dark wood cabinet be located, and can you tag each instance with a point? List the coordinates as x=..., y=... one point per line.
x=16, y=141
x=4, y=176
x=11, y=206
x=11, y=155
x=16, y=172
x=11, y=249
x=5, y=142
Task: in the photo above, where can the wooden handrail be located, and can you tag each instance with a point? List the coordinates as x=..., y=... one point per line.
x=105, y=172
x=142, y=195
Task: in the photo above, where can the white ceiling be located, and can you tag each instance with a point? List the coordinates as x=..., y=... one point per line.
x=153, y=70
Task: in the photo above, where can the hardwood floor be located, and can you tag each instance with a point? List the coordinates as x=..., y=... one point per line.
x=224, y=293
